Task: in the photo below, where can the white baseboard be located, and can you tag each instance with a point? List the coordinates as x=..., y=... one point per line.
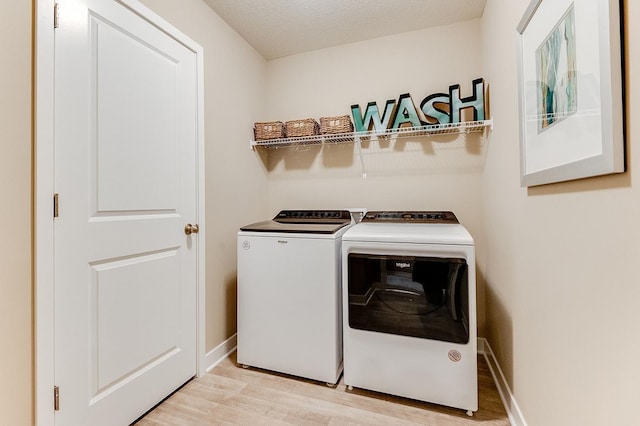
x=508, y=399
x=480, y=345
x=220, y=352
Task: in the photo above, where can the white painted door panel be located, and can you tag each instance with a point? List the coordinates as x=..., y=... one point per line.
x=131, y=72
x=126, y=174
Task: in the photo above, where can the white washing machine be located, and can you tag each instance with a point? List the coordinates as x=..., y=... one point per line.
x=289, y=293
x=409, y=307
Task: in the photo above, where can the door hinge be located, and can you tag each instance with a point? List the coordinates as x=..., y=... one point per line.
x=56, y=16
x=56, y=398
x=56, y=212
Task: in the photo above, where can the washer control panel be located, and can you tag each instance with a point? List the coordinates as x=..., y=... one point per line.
x=313, y=216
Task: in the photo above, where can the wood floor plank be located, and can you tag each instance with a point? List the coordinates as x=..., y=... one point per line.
x=171, y=415
x=238, y=416
x=191, y=402
x=232, y=395
x=293, y=401
x=210, y=393
x=298, y=416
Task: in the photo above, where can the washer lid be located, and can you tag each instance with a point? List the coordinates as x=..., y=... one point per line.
x=303, y=221
x=300, y=228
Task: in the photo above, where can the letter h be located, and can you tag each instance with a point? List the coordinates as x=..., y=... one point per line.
x=476, y=101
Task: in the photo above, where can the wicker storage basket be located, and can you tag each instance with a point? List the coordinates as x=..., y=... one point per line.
x=339, y=124
x=268, y=130
x=304, y=127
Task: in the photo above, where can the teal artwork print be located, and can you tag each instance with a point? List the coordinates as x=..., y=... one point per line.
x=556, y=73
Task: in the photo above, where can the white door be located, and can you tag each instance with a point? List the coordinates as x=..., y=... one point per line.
x=126, y=175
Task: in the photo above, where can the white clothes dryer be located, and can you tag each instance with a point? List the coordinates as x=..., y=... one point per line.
x=409, y=307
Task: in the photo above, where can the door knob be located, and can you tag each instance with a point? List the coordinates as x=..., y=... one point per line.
x=191, y=229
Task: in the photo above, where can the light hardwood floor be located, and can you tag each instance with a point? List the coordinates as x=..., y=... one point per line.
x=232, y=395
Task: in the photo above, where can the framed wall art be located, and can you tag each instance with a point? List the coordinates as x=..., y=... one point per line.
x=570, y=90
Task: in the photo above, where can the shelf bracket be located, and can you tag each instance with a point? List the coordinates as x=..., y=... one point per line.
x=359, y=145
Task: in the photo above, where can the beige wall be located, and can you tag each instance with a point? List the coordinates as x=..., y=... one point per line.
x=444, y=172
x=236, y=184
x=15, y=215
x=562, y=260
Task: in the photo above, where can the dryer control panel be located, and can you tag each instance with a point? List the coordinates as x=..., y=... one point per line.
x=410, y=217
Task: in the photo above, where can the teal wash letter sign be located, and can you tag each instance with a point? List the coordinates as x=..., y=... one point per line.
x=439, y=107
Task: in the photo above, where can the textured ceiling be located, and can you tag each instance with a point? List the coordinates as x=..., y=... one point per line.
x=278, y=28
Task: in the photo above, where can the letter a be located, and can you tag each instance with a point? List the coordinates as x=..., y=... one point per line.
x=406, y=112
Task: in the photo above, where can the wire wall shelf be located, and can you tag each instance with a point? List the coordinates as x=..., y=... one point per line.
x=483, y=126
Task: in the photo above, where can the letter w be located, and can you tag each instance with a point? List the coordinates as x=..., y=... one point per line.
x=371, y=117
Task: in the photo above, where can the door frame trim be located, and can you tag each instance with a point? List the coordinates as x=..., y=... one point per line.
x=43, y=252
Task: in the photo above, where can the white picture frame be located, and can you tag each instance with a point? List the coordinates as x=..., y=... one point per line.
x=570, y=90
